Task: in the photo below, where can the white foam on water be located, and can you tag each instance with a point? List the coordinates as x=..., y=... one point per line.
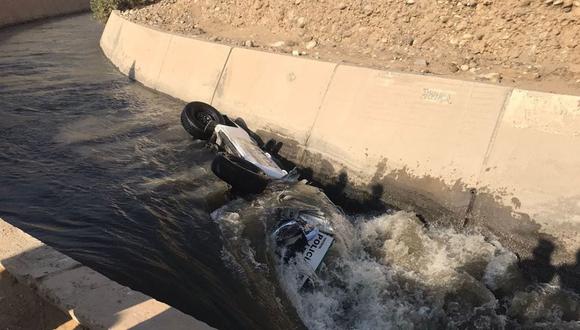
x=391, y=272
x=398, y=274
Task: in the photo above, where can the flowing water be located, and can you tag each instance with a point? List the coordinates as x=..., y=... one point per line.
x=98, y=167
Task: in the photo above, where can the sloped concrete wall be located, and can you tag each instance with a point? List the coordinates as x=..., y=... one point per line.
x=88, y=297
x=505, y=159
x=20, y=11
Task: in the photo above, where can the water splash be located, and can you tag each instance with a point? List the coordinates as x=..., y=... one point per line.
x=391, y=271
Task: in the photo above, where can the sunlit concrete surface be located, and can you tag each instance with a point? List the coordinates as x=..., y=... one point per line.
x=88, y=297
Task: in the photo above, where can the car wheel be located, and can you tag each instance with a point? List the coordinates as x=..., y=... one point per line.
x=243, y=176
x=199, y=119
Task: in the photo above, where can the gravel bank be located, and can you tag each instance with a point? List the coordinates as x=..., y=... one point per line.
x=524, y=43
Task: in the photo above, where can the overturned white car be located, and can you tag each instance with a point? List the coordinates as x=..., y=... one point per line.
x=248, y=169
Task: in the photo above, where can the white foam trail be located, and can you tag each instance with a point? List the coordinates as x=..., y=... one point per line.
x=391, y=272
x=398, y=274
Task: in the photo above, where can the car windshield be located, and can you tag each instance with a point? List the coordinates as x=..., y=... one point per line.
x=255, y=152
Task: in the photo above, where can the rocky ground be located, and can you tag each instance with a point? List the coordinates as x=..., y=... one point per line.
x=525, y=43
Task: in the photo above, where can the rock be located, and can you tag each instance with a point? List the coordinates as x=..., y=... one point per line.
x=408, y=40
x=341, y=6
x=278, y=44
x=464, y=67
x=249, y=43
x=311, y=44
x=301, y=22
x=492, y=77
x=461, y=26
x=409, y=2
x=557, y=2
x=295, y=52
x=471, y=3
x=368, y=10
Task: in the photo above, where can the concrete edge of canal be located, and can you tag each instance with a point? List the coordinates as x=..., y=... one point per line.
x=89, y=298
x=465, y=152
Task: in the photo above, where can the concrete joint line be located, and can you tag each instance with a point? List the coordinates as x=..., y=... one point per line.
x=115, y=50
x=494, y=134
x=60, y=271
x=156, y=82
x=221, y=75
x=319, y=109
x=486, y=156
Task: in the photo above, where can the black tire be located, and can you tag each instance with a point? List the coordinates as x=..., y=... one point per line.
x=195, y=118
x=243, y=176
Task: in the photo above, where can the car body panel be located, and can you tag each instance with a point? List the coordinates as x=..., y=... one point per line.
x=239, y=143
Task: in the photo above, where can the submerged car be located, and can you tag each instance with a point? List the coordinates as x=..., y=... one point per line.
x=248, y=168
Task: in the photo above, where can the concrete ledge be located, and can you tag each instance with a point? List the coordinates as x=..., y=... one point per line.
x=20, y=11
x=89, y=297
x=451, y=150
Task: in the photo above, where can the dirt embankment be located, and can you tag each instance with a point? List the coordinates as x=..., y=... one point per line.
x=525, y=43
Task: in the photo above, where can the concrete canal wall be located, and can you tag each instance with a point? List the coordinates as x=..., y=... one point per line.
x=20, y=11
x=88, y=297
x=505, y=159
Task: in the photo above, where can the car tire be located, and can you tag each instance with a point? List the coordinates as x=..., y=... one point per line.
x=199, y=119
x=243, y=176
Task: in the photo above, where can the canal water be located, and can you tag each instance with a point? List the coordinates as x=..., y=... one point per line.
x=99, y=167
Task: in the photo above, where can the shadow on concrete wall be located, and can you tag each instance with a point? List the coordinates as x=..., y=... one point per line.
x=539, y=268
x=340, y=190
x=131, y=73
